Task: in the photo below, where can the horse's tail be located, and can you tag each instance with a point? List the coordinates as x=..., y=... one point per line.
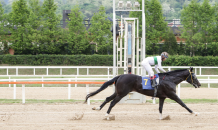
x=104, y=86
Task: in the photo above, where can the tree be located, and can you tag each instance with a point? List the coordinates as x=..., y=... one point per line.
x=35, y=22
x=156, y=27
x=50, y=27
x=100, y=31
x=18, y=25
x=170, y=43
x=206, y=24
x=191, y=26
x=77, y=41
x=3, y=31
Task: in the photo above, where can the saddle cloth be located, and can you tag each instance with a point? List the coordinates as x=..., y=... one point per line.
x=146, y=82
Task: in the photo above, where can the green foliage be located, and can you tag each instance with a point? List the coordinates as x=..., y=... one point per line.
x=215, y=27
x=156, y=27
x=100, y=31
x=99, y=60
x=90, y=60
x=49, y=30
x=181, y=60
x=181, y=49
x=77, y=40
x=170, y=43
x=197, y=25
x=3, y=32
x=18, y=24
x=35, y=22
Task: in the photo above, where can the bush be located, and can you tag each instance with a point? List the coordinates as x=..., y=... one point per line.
x=99, y=60
x=89, y=60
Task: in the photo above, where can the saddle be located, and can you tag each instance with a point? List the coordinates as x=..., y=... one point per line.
x=146, y=82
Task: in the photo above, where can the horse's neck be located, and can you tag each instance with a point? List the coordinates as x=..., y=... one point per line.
x=179, y=77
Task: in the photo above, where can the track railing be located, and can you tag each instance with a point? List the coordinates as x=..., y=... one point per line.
x=51, y=82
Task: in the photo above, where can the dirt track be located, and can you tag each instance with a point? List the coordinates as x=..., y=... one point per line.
x=128, y=116
x=132, y=117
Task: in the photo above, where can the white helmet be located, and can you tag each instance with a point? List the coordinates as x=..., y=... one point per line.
x=165, y=54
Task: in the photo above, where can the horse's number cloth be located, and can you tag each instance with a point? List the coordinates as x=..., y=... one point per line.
x=146, y=82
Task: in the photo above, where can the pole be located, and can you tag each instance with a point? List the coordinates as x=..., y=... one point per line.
x=23, y=93
x=114, y=40
x=143, y=35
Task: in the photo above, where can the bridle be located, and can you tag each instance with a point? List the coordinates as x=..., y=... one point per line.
x=191, y=77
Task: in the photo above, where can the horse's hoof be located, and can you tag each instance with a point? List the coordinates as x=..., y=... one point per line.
x=196, y=113
x=94, y=108
x=109, y=117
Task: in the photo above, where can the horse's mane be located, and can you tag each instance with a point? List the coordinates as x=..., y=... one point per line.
x=176, y=71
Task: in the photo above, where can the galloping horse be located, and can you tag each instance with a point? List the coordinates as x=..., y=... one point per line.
x=167, y=88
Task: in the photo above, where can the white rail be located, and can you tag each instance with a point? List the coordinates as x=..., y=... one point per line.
x=78, y=77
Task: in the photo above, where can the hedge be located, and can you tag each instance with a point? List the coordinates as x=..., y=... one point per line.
x=99, y=60
x=77, y=60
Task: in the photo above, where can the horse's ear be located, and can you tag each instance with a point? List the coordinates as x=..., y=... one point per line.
x=191, y=68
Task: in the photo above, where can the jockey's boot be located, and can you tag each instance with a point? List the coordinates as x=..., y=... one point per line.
x=154, y=85
x=153, y=82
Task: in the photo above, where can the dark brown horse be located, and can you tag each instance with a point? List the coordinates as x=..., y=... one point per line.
x=167, y=89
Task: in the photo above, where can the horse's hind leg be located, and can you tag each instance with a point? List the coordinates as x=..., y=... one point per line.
x=113, y=103
x=108, y=99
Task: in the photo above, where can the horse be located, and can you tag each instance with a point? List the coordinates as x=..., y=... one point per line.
x=166, y=89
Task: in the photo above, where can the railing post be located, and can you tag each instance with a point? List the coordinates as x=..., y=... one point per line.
x=208, y=82
x=60, y=71
x=76, y=80
x=87, y=91
x=16, y=71
x=42, y=81
x=23, y=93
x=69, y=89
x=200, y=70
x=47, y=70
x=87, y=71
x=9, y=81
x=179, y=90
x=108, y=72
x=154, y=101
x=34, y=71
x=7, y=71
x=14, y=90
x=77, y=71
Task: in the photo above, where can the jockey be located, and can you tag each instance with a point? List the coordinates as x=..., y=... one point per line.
x=156, y=60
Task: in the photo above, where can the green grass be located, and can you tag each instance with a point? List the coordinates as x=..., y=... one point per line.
x=195, y=101
x=31, y=101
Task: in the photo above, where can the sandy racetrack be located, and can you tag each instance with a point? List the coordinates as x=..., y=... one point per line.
x=127, y=116
x=133, y=117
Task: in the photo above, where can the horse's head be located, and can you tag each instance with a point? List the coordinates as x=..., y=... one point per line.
x=192, y=79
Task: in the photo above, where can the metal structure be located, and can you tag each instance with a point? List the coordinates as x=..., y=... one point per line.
x=121, y=9
x=128, y=47
x=131, y=46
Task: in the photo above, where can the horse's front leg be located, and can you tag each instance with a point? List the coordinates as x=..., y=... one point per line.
x=174, y=97
x=161, y=102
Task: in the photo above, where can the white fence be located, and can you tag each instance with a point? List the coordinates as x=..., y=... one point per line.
x=78, y=77
x=108, y=75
